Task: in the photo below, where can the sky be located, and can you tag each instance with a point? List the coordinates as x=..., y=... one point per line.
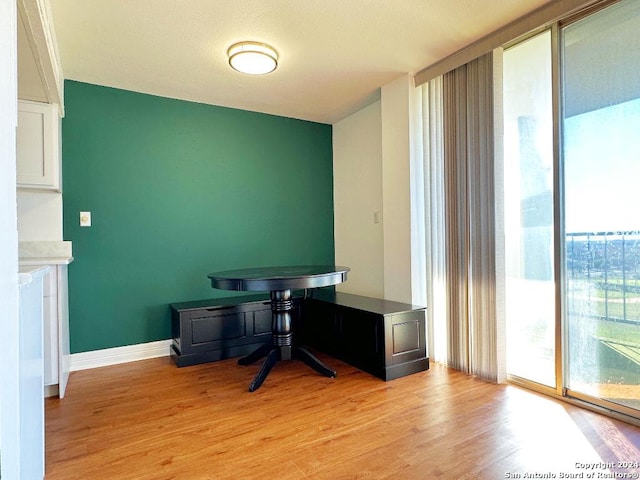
x=602, y=169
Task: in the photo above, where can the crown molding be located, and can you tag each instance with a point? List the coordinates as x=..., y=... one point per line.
x=36, y=17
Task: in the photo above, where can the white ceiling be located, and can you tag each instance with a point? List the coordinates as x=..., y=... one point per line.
x=334, y=54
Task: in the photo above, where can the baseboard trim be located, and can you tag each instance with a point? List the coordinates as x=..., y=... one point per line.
x=114, y=356
x=51, y=391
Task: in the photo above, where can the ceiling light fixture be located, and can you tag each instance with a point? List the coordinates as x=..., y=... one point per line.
x=253, y=58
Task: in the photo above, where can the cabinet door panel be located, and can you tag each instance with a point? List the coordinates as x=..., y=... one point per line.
x=406, y=337
x=64, y=348
x=37, y=146
x=50, y=339
x=30, y=145
x=210, y=329
x=262, y=322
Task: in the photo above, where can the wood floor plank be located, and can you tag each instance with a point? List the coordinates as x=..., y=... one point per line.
x=150, y=420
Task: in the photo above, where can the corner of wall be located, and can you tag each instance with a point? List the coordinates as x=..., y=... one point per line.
x=396, y=187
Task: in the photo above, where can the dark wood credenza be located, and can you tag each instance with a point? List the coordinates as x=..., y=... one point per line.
x=384, y=338
x=211, y=330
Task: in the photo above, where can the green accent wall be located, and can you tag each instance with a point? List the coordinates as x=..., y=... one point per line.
x=178, y=190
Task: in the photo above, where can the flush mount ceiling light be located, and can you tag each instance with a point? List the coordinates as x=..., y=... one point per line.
x=253, y=58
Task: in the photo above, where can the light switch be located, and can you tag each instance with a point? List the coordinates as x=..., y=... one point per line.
x=376, y=217
x=85, y=219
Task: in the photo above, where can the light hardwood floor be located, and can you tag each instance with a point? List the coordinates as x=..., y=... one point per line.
x=151, y=420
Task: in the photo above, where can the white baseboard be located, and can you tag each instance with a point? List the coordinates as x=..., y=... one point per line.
x=114, y=356
x=51, y=391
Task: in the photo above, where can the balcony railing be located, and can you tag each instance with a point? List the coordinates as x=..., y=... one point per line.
x=604, y=270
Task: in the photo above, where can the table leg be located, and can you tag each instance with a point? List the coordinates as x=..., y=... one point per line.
x=281, y=346
x=262, y=351
x=268, y=364
x=310, y=359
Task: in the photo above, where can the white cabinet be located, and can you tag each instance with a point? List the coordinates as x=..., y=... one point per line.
x=38, y=146
x=56, y=331
x=30, y=446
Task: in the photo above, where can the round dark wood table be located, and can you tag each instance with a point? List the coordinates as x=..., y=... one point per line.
x=280, y=281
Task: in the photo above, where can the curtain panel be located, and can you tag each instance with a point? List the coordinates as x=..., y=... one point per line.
x=461, y=210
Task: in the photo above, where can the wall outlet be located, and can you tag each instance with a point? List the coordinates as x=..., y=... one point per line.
x=85, y=219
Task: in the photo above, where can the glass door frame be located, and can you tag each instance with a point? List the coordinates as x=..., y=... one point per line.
x=561, y=390
x=558, y=390
x=558, y=214
x=562, y=337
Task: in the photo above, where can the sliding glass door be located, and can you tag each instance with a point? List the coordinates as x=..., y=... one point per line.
x=528, y=212
x=581, y=293
x=601, y=157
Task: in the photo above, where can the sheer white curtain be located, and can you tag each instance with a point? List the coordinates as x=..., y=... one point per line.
x=458, y=139
x=433, y=153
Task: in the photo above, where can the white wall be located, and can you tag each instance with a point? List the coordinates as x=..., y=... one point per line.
x=372, y=173
x=396, y=187
x=9, y=398
x=357, y=196
x=39, y=216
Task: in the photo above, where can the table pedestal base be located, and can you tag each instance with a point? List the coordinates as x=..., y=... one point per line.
x=281, y=347
x=274, y=354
